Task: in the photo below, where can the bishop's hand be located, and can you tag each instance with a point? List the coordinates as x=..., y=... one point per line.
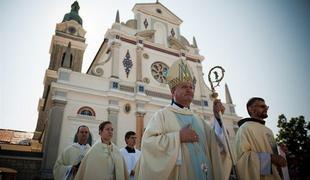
x=187, y=134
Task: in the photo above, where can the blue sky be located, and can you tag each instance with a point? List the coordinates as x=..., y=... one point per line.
x=264, y=46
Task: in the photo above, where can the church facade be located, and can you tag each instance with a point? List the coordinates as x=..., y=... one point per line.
x=125, y=82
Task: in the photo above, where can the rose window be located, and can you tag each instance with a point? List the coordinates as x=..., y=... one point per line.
x=159, y=71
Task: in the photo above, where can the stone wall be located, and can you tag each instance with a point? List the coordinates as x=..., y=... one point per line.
x=27, y=164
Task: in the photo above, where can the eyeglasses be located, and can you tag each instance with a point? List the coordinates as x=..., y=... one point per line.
x=263, y=106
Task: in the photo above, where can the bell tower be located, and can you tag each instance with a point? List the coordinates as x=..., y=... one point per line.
x=68, y=43
x=66, y=51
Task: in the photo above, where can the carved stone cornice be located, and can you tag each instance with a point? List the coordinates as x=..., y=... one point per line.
x=140, y=114
x=148, y=35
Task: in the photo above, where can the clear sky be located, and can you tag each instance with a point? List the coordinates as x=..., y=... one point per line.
x=264, y=46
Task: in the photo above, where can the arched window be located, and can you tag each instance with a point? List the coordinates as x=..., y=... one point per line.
x=86, y=111
x=67, y=63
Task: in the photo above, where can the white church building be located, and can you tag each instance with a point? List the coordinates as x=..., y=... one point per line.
x=125, y=82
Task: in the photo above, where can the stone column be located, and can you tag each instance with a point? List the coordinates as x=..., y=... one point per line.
x=52, y=138
x=115, y=59
x=139, y=52
x=113, y=117
x=139, y=128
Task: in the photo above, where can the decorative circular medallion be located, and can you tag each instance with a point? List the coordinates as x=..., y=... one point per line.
x=146, y=56
x=159, y=71
x=146, y=80
x=127, y=108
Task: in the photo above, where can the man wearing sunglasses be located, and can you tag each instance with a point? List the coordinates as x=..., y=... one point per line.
x=256, y=148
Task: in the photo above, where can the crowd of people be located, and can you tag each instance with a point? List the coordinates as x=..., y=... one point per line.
x=178, y=144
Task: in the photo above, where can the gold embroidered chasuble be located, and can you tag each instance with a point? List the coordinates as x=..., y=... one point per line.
x=164, y=157
x=253, y=138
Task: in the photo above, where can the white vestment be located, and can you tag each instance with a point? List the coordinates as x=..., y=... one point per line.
x=72, y=155
x=130, y=159
x=226, y=159
x=103, y=162
x=285, y=173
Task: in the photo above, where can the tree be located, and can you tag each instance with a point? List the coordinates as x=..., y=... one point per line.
x=294, y=135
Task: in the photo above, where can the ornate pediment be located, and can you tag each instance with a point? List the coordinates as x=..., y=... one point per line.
x=157, y=10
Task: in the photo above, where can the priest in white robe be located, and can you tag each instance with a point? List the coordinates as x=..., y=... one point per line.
x=103, y=160
x=177, y=144
x=130, y=153
x=256, y=149
x=68, y=162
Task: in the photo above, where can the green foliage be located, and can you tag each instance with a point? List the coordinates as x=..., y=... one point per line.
x=294, y=135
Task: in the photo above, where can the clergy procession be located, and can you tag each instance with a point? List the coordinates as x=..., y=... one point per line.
x=178, y=144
